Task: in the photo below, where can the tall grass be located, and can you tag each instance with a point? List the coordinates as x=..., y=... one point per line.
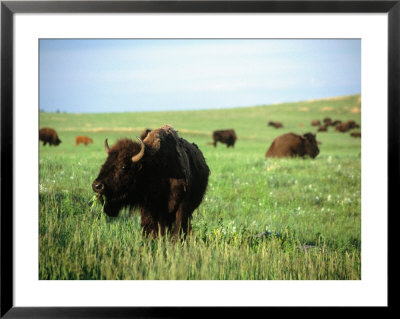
x=260, y=219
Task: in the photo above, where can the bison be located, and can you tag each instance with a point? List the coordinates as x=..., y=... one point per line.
x=83, y=140
x=144, y=133
x=292, y=145
x=164, y=176
x=327, y=121
x=227, y=137
x=49, y=135
x=355, y=134
x=336, y=122
x=323, y=129
x=345, y=127
x=275, y=124
x=315, y=122
x=352, y=124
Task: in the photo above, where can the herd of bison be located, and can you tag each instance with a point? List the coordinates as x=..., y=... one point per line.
x=166, y=177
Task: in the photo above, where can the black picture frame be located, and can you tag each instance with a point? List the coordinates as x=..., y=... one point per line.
x=9, y=8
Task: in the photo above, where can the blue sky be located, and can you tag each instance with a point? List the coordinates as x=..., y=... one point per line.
x=119, y=75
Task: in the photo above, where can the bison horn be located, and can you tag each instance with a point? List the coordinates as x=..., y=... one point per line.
x=138, y=156
x=106, y=146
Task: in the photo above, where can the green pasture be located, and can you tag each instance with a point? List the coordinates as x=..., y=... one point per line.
x=260, y=218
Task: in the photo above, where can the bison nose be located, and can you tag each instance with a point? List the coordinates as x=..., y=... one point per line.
x=97, y=186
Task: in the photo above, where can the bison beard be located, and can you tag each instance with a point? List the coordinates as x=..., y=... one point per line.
x=164, y=176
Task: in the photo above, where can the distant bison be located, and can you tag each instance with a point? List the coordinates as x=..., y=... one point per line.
x=227, y=137
x=144, y=133
x=327, y=121
x=323, y=128
x=355, y=134
x=83, y=140
x=352, y=124
x=292, y=145
x=342, y=127
x=49, y=135
x=316, y=123
x=345, y=127
x=164, y=176
x=336, y=122
x=275, y=124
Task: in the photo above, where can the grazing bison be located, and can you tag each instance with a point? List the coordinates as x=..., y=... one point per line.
x=323, y=129
x=352, y=124
x=336, y=122
x=355, y=134
x=163, y=175
x=292, y=145
x=327, y=121
x=315, y=122
x=345, y=127
x=144, y=133
x=227, y=137
x=48, y=135
x=275, y=124
x=83, y=140
x=342, y=127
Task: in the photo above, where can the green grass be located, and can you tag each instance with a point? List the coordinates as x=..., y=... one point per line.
x=311, y=209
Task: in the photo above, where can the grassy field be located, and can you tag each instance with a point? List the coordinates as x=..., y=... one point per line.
x=308, y=212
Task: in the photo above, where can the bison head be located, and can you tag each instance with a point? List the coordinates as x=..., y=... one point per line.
x=57, y=141
x=310, y=144
x=115, y=185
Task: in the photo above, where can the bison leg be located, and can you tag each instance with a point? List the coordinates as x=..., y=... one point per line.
x=175, y=206
x=176, y=193
x=182, y=222
x=154, y=224
x=148, y=224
